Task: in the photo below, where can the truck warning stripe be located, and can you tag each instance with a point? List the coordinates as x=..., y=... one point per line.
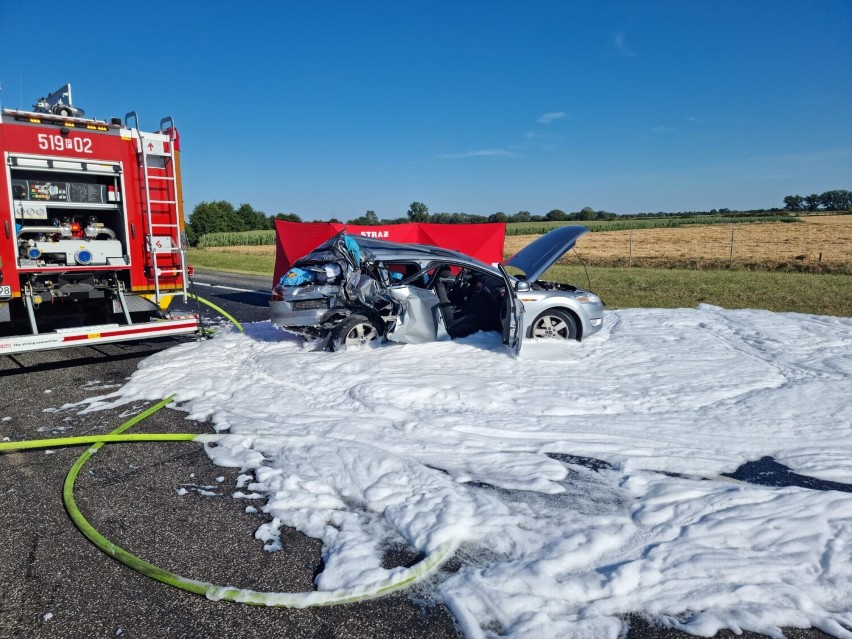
x=134, y=331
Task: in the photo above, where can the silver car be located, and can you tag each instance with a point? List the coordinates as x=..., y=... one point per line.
x=351, y=290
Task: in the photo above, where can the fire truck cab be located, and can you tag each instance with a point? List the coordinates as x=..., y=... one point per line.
x=92, y=242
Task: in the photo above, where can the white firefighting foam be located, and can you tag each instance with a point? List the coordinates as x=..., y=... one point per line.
x=459, y=441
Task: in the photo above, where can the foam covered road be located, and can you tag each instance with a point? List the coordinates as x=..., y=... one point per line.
x=169, y=504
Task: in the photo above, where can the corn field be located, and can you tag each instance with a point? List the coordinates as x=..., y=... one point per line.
x=243, y=238
x=540, y=228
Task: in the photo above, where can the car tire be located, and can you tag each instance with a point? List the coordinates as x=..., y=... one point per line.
x=554, y=324
x=355, y=330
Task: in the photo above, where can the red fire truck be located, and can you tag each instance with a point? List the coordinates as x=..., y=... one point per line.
x=92, y=243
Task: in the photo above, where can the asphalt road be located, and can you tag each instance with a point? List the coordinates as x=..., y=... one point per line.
x=54, y=583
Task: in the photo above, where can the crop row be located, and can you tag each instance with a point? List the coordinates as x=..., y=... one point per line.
x=539, y=228
x=243, y=238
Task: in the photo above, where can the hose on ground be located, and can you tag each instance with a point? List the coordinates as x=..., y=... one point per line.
x=222, y=312
x=395, y=582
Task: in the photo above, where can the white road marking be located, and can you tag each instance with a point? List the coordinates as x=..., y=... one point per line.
x=233, y=288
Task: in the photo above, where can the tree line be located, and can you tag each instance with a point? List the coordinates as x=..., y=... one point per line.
x=837, y=200
x=222, y=217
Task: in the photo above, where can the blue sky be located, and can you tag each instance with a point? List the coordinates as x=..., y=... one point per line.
x=328, y=109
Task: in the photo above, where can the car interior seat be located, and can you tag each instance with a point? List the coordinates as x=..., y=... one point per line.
x=444, y=305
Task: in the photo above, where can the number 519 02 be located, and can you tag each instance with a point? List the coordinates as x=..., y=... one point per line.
x=58, y=143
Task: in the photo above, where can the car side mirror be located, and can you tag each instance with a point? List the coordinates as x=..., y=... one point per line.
x=521, y=286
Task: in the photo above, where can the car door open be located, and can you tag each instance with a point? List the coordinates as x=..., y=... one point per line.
x=511, y=314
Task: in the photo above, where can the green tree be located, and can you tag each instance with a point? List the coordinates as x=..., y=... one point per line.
x=250, y=219
x=418, y=212
x=521, y=216
x=837, y=200
x=499, y=216
x=212, y=217
x=587, y=213
x=288, y=217
x=368, y=219
x=556, y=215
x=812, y=202
x=793, y=202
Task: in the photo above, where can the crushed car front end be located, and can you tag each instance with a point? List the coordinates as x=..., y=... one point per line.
x=332, y=289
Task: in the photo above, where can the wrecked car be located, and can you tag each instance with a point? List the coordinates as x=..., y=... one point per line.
x=352, y=290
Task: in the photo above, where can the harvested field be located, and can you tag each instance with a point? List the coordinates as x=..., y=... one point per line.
x=817, y=244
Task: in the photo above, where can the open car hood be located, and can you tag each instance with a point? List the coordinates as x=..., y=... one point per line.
x=538, y=256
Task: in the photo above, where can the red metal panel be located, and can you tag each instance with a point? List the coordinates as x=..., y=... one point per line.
x=78, y=143
x=8, y=246
x=135, y=219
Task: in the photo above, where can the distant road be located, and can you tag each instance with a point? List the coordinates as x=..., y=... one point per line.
x=246, y=297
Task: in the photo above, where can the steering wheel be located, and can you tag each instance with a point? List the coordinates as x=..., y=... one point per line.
x=461, y=284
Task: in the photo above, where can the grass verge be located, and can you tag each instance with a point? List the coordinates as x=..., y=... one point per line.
x=236, y=260
x=818, y=294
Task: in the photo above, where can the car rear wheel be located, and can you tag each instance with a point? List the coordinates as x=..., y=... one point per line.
x=554, y=324
x=355, y=330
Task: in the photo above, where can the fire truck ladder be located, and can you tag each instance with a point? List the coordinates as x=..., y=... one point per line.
x=159, y=172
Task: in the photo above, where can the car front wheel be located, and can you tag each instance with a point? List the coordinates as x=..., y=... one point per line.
x=355, y=330
x=554, y=324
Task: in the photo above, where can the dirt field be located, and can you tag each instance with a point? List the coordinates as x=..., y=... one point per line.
x=817, y=243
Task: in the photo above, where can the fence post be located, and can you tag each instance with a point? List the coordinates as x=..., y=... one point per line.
x=731, y=259
x=630, y=251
